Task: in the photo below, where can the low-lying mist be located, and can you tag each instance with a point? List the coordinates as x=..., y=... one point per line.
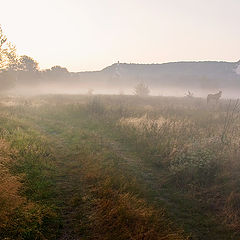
x=84, y=89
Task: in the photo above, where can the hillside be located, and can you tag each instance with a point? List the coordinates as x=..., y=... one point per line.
x=168, y=79
x=204, y=75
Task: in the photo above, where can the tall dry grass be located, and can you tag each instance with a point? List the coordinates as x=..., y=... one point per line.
x=196, y=144
x=20, y=217
x=10, y=199
x=116, y=209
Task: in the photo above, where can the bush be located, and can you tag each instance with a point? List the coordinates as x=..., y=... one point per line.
x=141, y=90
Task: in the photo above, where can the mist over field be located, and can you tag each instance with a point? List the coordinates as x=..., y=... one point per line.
x=120, y=120
x=170, y=79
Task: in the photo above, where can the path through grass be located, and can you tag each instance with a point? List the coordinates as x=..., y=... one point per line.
x=96, y=184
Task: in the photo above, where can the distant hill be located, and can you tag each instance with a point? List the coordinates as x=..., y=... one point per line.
x=204, y=75
x=167, y=79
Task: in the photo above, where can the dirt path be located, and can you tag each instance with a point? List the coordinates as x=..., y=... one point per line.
x=68, y=184
x=184, y=212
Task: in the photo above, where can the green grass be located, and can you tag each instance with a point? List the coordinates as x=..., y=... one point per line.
x=90, y=171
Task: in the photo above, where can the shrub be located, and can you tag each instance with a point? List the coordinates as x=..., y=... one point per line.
x=141, y=90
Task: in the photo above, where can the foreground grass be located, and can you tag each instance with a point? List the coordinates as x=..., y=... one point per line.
x=27, y=211
x=72, y=183
x=100, y=168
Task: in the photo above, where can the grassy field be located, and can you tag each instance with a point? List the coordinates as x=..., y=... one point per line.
x=119, y=167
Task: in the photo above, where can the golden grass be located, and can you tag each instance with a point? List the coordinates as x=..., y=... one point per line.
x=116, y=212
x=19, y=217
x=182, y=138
x=10, y=185
x=125, y=216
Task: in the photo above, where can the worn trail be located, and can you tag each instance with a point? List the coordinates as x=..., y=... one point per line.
x=186, y=212
x=69, y=184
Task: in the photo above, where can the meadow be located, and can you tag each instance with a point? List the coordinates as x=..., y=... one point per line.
x=119, y=167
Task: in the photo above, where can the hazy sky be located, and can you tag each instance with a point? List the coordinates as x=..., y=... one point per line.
x=91, y=34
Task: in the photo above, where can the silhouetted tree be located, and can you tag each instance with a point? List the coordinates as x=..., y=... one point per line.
x=27, y=71
x=27, y=64
x=56, y=73
x=59, y=72
x=141, y=90
x=8, y=62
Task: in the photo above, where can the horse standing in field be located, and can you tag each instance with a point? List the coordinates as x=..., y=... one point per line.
x=214, y=97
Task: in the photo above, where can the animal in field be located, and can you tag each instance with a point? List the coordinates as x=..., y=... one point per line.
x=189, y=94
x=214, y=97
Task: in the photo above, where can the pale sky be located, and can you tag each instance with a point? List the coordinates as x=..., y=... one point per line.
x=92, y=34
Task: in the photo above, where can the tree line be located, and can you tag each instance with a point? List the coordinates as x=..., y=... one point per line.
x=16, y=69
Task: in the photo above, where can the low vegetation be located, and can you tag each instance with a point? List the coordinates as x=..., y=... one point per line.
x=23, y=213
x=119, y=167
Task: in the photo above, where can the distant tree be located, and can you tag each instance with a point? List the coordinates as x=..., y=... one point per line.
x=141, y=90
x=8, y=63
x=27, y=71
x=27, y=64
x=56, y=73
x=58, y=70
